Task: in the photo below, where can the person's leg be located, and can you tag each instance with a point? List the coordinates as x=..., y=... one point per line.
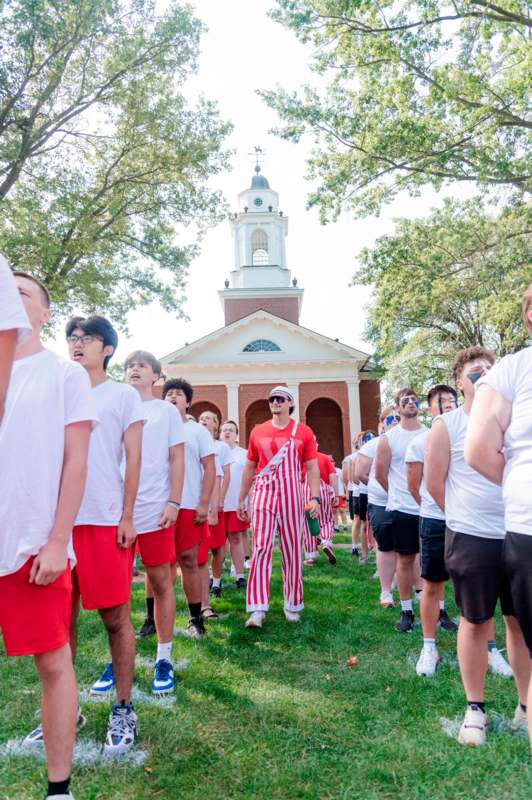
x=264, y=522
x=473, y=657
x=386, y=567
x=290, y=524
x=203, y=570
x=59, y=710
x=217, y=563
x=518, y=656
x=117, y=621
x=236, y=544
x=74, y=619
x=161, y=584
x=405, y=575
x=190, y=574
x=417, y=581
x=150, y=597
x=429, y=607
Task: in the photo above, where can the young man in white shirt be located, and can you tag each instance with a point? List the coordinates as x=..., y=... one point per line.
x=104, y=534
x=237, y=531
x=499, y=446
x=157, y=504
x=43, y=465
x=440, y=400
x=14, y=326
x=390, y=472
x=192, y=532
x=474, y=542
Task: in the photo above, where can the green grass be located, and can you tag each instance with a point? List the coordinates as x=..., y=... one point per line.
x=277, y=713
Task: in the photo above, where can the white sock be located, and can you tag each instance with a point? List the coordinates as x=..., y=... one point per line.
x=406, y=605
x=164, y=650
x=216, y=583
x=239, y=575
x=429, y=644
x=442, y=605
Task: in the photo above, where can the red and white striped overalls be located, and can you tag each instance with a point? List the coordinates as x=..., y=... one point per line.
x=325, y=519
x=277, y=507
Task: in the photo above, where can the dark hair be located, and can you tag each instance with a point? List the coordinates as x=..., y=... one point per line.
x=144, y=355
x=439, y=389
x=95, y=326
x=45, y=294
x=230, y=422
x=463, y=357
x=179, y=383
x=403, y=393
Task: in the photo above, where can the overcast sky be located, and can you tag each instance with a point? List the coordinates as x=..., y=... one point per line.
x=244, y=50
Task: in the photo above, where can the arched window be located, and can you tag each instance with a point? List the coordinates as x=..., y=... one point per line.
x=259, y=248
x=261, y=346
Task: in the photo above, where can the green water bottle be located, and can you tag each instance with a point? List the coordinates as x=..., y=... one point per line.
x=313, y=524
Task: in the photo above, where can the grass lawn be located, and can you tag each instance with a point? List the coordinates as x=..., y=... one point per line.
x=278, y=714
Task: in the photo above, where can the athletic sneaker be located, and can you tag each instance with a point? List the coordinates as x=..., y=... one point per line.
x=121, y=730
x=386, y=600
x=105, y=682
x=36, y=738
x=405, y=623
x=363, y=560
x=291, y=616
x=216, y=591
x=520, y=721
x=256, y=619
x=446, y=623
x=329, y=553
x=355, y=552
x=336, y=529
x=240, y=583
x=428, y=662
x=498, y=664
x=68, y=796
x=163, y=678
x=196, y=628
x=473, y=729
x=148, y=628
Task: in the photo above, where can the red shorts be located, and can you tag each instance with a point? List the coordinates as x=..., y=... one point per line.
x=34, y=619
x=104, y=570
x=157, y=547
x=203, y=552
x=341, y=503
x=187, y=535
x=233, y=524
x=217, y=535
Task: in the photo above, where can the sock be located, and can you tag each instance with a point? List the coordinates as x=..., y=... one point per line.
x=58, y=787
x=475, y=704
x=523, y=707
x=216, y=583
x=164, y=650
x=429, y=644
x=149, y=609
x=442, y=605
x=239, y=575
x=406, y=605
x=491, y=645
x=195, y=610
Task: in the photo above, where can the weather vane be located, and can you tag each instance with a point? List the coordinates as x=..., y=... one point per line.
x=257, y=155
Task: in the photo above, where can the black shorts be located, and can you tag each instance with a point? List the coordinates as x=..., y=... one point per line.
x=432, y=543
x=476, y=567
x=405, y=529
x=363, y=506
x=351, y=503
x=517, y=558
x=381, y=525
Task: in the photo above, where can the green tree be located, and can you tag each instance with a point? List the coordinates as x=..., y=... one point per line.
x=102, y=159
x=448, y=281
x=418, y=92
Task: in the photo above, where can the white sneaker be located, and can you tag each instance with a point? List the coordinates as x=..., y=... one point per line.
x=498, y=664
x=247, y=563
x=520, y=721
x=428, y=662
x=256, y=619
x=232, y=571
x=292, y=616
x=386, y=600
x=60, y=796
x=473, y=730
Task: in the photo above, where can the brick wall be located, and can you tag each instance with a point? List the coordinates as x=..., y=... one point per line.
x=370, y=403
x=335, y=390
x=284, y=307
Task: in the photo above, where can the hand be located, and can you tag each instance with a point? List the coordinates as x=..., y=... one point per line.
x=241, y=513
x=126, y=533
x=50, y=562
x=200, y=515
x=168, y=517
x=212, y=517
x=314, y=509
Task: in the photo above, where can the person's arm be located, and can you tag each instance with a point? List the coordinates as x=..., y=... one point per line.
x=383, y=459
x=214, y=502
x=248, y=474
x=362, y=468
x=225, y=486
x=176, y=455
x=126, y=533
x=352, y=470
x=51, y=560
x=333, y=480
x=345, y=473
x=207, y=483
x=8, y=343
x=437, y=459
x=414, y=474
x=313, y=478
x=490, y=416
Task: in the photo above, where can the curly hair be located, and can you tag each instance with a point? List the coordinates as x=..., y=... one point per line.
x=467, y=355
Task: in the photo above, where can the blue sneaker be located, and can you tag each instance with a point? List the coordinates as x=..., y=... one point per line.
x=121, y=730
x=105, y=682
x=163, y=679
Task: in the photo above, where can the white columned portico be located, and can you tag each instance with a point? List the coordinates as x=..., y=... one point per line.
x=294, y=389
x=232, y=401
x=353, y=396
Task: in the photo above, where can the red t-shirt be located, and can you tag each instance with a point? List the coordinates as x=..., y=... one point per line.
x=326, y=467
x=265, y=441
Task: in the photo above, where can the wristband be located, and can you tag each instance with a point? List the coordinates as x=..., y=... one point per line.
x=173, y=504
x=317, y=499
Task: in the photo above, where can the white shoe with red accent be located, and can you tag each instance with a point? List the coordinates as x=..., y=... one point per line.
x=473, y=730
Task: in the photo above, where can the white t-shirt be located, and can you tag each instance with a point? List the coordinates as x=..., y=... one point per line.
x=237, y=468
x=163, y=429
x=341, y=487
x=223, y=456
x=118, y=406
x=473, y=504
x=46, y=393
x=512, y=378
x=399, y=498
x=354, y=488
x=198, y=444
x=376, y=494
x=12, y=312
x=415, y=454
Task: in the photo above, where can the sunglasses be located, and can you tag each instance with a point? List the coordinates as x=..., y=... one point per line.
x=277, y=398
x=405, y=401
x=391, y=418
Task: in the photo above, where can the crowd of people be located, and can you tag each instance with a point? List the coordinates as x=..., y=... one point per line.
x=98, y=470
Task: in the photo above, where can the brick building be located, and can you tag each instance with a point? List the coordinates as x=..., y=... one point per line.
x=262, y=343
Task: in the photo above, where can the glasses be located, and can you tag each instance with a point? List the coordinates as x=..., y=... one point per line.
x=87, y=338
x=277, y=398
x=405, y=401
x=391, y=418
